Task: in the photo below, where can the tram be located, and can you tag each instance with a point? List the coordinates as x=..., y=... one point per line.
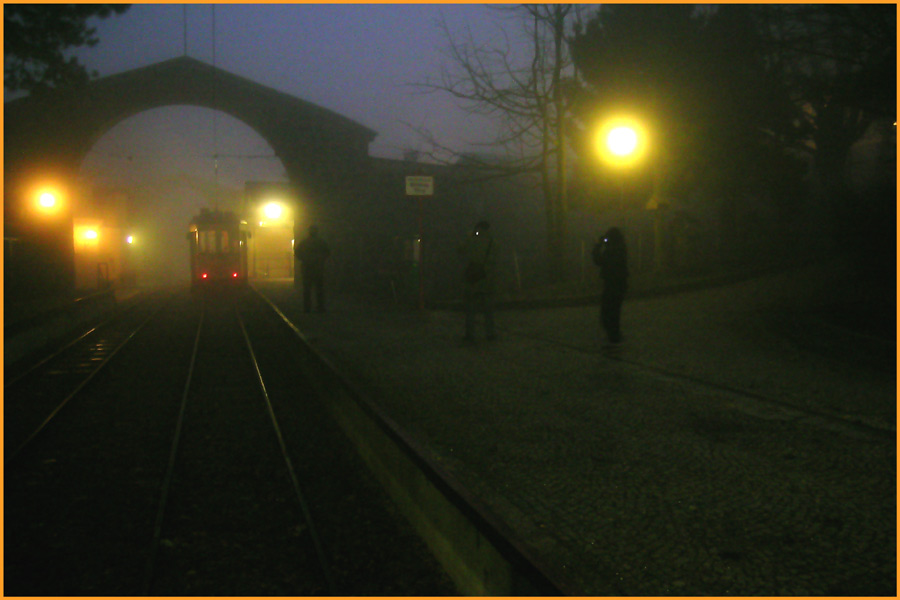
x=218, y=249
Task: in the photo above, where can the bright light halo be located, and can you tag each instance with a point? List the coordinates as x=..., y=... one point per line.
x=273, y=210
x=47, y=200
x=622, y=140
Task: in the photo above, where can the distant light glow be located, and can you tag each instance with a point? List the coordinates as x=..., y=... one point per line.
x=47, y=200
x=204, y=276
x=86, y=235
x=234, y=275
x=273, y=210
x=130, y=239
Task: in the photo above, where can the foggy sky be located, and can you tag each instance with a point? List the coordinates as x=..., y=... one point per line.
x=353, y=59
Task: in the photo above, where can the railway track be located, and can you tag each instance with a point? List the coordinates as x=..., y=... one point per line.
x=264, y=491
x=195, y=462
x=35, y=394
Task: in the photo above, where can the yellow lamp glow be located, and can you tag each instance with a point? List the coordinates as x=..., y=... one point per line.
x=47, y=200
x=86, y=236
x=273, y=210
x=621, y=141
x=129, y=239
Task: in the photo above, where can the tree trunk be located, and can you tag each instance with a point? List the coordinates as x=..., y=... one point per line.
x=559, y=133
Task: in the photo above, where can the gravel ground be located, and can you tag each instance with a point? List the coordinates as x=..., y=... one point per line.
x=717, y=452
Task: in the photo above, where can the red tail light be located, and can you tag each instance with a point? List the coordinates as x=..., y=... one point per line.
x=204, y=276
x=234, y=275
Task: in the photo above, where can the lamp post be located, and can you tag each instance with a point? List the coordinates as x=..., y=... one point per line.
x=272, y=237
x=622, y=143
x=48, y=223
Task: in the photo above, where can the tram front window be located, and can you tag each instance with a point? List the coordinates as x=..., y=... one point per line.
x=207, y=242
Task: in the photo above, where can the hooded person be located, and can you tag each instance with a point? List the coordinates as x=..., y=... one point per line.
x=611, y=255
x=312, y=253
x=479, y=253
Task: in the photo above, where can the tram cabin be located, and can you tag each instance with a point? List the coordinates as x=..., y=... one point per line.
x=218, y=249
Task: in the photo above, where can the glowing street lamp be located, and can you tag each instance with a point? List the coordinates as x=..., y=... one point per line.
x=46, y=200
x=622, y=142
x=86, y=235
x=273, y=210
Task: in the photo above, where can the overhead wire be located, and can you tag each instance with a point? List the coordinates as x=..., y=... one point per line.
x=215, y=116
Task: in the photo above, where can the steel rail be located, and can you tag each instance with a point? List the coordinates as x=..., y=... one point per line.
x=88, y=379
x=166, y=485
x=295, y=482
x=28, y=371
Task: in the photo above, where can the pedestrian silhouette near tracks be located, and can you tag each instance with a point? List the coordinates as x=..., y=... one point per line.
x=479, y=252
x=312, y=254
x=611, y=255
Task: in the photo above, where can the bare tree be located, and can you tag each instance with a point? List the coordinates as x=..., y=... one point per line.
x=522, y=85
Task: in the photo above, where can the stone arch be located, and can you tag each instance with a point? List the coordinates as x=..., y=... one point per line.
x=317, y=147
x=324, y=154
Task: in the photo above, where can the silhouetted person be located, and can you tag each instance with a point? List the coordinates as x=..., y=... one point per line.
x=479, y=252
x=611, y=255
x=312, y=254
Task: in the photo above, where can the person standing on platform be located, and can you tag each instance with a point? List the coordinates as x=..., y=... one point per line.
x=312, y=254
x=479, y=253
x=611, y=255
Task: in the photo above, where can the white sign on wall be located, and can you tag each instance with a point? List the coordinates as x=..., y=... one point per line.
x=419, y=185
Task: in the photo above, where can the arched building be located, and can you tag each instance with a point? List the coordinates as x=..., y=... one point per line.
x=46, y=138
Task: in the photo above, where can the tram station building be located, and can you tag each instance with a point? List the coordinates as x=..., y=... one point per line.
x=273, y=213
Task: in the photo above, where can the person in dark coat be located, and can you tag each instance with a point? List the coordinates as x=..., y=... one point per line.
x=611, y=255
x=479, y=253
x=312, y=254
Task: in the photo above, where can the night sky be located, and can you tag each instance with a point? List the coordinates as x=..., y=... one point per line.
x=356, y=60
